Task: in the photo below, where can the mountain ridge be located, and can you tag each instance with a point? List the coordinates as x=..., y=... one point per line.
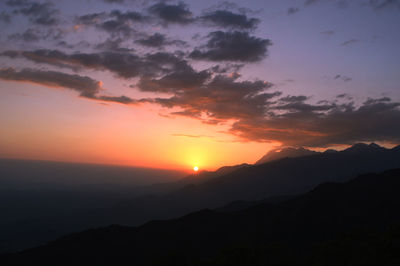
x=304, y=225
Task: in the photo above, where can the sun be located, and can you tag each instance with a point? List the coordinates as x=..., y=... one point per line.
x=196, y=168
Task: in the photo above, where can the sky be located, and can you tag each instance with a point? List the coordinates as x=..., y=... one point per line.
x=174, y=84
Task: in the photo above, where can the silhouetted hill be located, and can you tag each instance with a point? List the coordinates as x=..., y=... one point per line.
x=353, y=223
x=285, y=153
x=365, y=148
x=40, y=201
x=244, y=184
x=288, y=176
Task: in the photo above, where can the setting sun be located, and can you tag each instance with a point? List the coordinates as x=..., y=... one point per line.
x=196, y=168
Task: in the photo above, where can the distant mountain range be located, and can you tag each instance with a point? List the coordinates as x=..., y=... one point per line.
x=354, y=223
x=287, y=176
x=239, y=186
x=293, y=152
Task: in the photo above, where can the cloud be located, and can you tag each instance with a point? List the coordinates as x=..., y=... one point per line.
x=158, y=40
x=113, y=45
x=344, y=78
x=232, y=46
x=344, y=96
x=91, y=19
x=123, y=64
x=38, y=13
x=221, y=98
x=183, y=79
x=292, y=10
x=116, y=23
x=87, y=87
x=37, y=34
x=349, y=42
x=120, y=23
x=374, y=120
x=259, y=116
x=228, y=19
x=291, y=99
x=155, y=40
x=172, y=14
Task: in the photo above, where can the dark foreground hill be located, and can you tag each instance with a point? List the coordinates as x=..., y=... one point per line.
x=353, y=223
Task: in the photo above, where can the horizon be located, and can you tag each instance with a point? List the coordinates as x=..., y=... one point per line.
x=190, y=171
x=178, y=84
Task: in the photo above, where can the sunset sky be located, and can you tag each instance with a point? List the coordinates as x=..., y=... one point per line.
x=170, y=84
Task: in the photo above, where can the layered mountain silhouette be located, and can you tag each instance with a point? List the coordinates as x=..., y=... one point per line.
x=287, y=176
x=244, y=185
x=351, y=223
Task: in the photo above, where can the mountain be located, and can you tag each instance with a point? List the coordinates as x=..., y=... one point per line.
x=365, y=148
x=352, y=223
x=245, y=184
x=285, y=153
x=288, y=176
x=34, y=209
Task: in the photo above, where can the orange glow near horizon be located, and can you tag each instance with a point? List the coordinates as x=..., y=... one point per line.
x=74, y=129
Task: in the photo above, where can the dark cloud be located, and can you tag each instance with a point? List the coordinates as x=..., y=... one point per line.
x=116, y=23
x=292, y=10
x=221, y=98
x=301, y=106
x=87, y=87
x=172, y=14
x=30, y=35
x=155, y=40
x=374, y=120
x=232, y=46
x=225, y=68
x=349, y=42
x=175, y=82
x=158, y=40
x=37, y=34
x=91, y=19
x=42, y=13
x=113, y=45
x=228, y=19
x=128, y=16
x=123, y=64
x=118, y=99
x=289, y=98
x=344, y=96
x=341, y=77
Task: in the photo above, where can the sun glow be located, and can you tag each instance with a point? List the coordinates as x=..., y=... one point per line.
x=196, y=168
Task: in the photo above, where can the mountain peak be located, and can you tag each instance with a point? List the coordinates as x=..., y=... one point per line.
x=287, y=152
x=363, y=147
